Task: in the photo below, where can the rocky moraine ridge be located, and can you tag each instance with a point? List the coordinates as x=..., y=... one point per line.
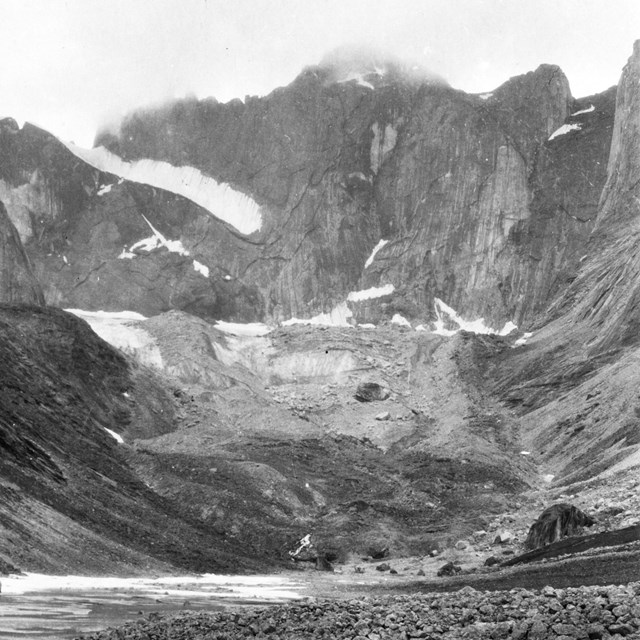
x=519, y=614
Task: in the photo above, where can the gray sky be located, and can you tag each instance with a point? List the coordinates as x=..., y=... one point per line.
x=71, y=65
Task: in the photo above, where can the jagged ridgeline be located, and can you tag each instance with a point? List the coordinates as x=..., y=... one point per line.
x=483, y=201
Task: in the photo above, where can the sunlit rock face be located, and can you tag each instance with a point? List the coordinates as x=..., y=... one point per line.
x=17, y=282
x=476, y=200
x=606, y=295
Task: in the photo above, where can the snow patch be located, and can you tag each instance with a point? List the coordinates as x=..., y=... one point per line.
x=373, y=292
x=445, y=313
x=201, y=268
x=359, y=78
x=104, y=189
x=525, y=453
x=377, y=248
x=523, y=340
x=400, y=320
x=485, y=96
x=109, y=315
x=219, y=199
x=237, y=329
x=367, y=325
x=564, y=129
x=156, y=241
x=116, y=436
x=588, y=110
x=337, y=317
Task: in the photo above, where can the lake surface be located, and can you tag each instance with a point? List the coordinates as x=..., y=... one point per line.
x=43, y=607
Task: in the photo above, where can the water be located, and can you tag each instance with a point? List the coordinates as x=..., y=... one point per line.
x=43, y=607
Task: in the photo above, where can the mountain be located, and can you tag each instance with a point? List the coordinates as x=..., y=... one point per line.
x=478, y=203
x=366, y=192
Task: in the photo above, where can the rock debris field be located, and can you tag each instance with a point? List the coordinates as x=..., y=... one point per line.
x=519, y=614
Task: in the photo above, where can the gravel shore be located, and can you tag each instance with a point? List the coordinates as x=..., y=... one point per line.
x=519, y=614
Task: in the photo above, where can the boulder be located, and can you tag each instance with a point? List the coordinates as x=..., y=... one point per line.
x=449, y=569
x=503, y=537
x=556, y=522
x=371, y=392
x=377, y=552
x=322, y=564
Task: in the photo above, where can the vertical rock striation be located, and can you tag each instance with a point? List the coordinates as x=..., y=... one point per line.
x=606, y=295
x=18, y=285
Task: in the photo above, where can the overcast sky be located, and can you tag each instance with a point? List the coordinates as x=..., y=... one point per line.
x=70, y=65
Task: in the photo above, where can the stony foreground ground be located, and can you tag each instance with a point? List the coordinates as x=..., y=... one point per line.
x=519, y=614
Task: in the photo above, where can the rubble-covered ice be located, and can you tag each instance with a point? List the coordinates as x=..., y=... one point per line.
x=123, y=330
x=337, y=317
x=218, y=198
x=239, y=329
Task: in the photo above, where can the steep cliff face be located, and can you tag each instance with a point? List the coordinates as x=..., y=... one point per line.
x=466, y=189
x=605, y=297
x=477, y=204
x=575, y=382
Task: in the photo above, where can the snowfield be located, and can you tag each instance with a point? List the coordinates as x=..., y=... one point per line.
x=219, y=199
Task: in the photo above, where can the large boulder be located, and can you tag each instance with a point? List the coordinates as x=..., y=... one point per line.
x=556, y=522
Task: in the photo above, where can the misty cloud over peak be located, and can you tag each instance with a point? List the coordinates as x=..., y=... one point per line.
x=366, y=64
